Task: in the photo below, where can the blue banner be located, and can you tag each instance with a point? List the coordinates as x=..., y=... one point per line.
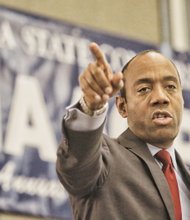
x=40, y=61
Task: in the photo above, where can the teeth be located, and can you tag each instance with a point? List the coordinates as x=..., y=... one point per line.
x=161, y=116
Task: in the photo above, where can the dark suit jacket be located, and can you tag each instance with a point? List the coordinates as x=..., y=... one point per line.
x=114, y=179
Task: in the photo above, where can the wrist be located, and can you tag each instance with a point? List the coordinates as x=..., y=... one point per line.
x=91, y=112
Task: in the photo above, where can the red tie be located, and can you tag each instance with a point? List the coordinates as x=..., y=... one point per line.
x=169, y=173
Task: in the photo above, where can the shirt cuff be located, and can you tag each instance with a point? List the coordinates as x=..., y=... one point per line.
x=79, y=121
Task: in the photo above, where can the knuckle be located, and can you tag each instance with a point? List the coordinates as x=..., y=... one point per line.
x=85, y=90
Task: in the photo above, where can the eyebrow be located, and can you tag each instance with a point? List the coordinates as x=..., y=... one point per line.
x=171, y=78
x=149, y=80
x=143, y=80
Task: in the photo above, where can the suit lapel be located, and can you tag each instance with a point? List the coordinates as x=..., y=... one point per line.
x=185, y=174
x=140, y=149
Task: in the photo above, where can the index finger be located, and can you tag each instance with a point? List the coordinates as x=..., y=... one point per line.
x=98, y=54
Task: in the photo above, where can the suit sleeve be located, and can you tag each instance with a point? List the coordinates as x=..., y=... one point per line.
x=81, y=160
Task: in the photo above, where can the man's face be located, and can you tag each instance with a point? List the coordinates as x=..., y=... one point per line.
x=154, y=100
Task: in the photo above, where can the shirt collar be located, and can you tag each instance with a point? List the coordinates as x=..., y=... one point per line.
x=171, y=150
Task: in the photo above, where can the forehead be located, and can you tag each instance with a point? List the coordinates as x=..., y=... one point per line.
x=150, y=63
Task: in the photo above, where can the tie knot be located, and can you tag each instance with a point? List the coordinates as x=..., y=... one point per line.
x=164, y=157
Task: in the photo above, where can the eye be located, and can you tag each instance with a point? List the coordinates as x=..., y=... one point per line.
x=144, y=90
x=171, y=87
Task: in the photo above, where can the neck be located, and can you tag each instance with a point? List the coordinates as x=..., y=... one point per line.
x=162, y=145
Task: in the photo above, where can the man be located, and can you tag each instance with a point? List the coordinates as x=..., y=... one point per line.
x=118, y=179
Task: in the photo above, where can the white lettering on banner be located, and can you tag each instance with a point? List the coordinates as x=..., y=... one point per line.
x=64, y=48
x=43, y=43
x=82, y=52
x=119, y=57
x=7, y=38
x=29, y=124
x=31, y=186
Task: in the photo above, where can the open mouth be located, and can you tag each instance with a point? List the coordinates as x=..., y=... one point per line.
x=161, y=114
x=161, y=117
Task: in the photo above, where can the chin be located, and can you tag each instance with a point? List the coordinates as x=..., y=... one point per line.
x=164, y=137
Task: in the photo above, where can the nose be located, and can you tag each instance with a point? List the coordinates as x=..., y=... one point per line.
x=159, y=96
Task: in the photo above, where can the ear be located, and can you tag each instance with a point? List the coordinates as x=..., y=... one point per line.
x=121, y=104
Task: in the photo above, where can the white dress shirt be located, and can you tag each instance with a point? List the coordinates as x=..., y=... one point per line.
x=183, y=191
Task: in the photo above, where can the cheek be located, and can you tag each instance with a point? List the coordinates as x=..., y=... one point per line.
x=137, y=106
x=179, y=111
x=138, y=109
x=137, y=113
x=177, y=104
